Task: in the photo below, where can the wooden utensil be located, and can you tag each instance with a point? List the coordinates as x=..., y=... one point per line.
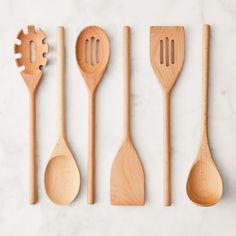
x=31, y=50
x=167, y=57
x=204, y=185
x=92, y=54
x=62, y=177
x=127, y=177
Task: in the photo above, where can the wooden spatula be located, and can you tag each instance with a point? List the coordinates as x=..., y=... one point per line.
x=167, y=57
x=127, y=177
x=32, y=50
x=92, y=54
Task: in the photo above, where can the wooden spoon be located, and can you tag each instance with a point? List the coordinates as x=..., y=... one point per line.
x=127, y=177
x=167, y=57
x=31, y=51
x=62, y=177
x=204, y=185
x=92, y=54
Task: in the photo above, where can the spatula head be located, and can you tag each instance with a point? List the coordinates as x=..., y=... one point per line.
x=30, y=51
x=167, y=54
x=92, y=54
x=127, y=177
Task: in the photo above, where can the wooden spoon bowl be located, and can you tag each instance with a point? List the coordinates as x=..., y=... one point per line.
x=62, y=178
x=204, y=185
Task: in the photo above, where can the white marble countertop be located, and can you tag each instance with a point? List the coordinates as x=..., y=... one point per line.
x=17, y=217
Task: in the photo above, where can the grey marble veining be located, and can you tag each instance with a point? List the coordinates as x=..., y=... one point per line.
x=182, y=218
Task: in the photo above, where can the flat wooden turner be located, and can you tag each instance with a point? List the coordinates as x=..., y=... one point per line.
x=127, y=177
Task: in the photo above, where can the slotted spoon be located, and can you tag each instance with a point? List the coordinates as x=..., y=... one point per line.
x=167, y=57
x=92, y=54
x=31, y=50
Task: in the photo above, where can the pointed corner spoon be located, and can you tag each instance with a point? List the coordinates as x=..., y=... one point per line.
x=204, y=184
x=62, y=177
x=92, y=54
x=32, y=50
x=127, y=176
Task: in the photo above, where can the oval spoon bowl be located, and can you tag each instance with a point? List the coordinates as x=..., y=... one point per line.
x=204, y=185
x=62, y=180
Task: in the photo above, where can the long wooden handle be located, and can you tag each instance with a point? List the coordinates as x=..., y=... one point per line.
x=126, y=39
x=167, y=146
x=91, y=151
x=205, y=77
x=61, y=79
x=32, y=156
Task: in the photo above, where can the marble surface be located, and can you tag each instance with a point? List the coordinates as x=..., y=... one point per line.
x=17, y=217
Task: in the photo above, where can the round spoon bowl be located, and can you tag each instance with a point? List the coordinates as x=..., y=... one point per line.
x=204, y=185
x=62, y=180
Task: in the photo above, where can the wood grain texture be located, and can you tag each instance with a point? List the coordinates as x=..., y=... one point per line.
x=204, y=185
x=30, y=62
x=92, y=54
x=127, y=176
x=62, y=177
x=167, y=57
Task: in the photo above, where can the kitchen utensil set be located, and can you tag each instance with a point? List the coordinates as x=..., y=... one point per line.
x=127, y=184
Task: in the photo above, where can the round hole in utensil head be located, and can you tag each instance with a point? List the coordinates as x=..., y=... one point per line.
x=62, y=181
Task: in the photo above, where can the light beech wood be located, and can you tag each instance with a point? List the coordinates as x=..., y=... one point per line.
x=167, y=57
x=127, y=176
x=92, y=54
x=30, y=62
x=204, y=185
x=62, y=177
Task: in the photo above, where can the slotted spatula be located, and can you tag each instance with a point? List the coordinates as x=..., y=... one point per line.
x=31, y=60
x=167, y=57
x=127, y=177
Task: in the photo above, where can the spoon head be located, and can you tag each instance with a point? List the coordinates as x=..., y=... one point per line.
x=204, y=185
x=30, y=51
x=62, y=178
x=92, y=54
x=127, y=177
